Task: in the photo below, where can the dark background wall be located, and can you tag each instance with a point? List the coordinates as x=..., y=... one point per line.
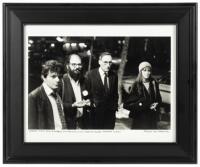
x=156, y=50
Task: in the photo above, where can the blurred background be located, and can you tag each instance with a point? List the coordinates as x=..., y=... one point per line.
x=127, y=54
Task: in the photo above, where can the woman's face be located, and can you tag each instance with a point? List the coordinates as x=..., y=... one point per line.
x=146, y=72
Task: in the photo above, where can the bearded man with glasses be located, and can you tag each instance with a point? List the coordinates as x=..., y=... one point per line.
x=75, y=102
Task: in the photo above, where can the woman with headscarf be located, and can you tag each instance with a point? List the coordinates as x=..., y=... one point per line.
x=144, y=99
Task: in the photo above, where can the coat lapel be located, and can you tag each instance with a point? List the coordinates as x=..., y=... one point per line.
x=82, y=88
x=99, y=79
x=47, y=109
x=110, y=82
x=70, y=89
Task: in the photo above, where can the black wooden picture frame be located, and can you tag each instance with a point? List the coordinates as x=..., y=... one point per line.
x=183, y=15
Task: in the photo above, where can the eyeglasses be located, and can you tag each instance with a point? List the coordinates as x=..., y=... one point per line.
x=107, y=62
x=76, y=65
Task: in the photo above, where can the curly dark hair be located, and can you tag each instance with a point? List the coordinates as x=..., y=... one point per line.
x=52, y=66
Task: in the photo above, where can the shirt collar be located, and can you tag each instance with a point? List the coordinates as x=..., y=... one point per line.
x=102, y=73
x=47, y=89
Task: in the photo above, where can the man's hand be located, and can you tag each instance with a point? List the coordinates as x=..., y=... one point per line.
x=78, y=104
x=153, y=106
x=87, y=102
x=82, y=103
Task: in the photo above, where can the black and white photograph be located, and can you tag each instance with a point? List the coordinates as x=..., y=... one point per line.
x=99, y=84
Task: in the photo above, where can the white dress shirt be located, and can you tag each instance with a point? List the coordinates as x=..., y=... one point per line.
x=57, y=121
x=102, y=75
x=77, y=92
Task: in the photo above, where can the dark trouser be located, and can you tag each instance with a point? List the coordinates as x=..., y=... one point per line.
x=145, y=120
x=81, y=122
x=103, y=119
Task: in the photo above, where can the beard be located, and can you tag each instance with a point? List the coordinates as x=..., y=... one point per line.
x=75, y=75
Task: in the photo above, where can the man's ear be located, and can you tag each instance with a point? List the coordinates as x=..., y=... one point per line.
x=99, y=62
x=67, y=67
x=42, y=77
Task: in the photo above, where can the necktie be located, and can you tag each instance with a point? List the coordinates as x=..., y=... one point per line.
x=106, y=83
x=60, y=111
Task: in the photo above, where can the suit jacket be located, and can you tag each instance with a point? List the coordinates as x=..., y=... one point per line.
x=68, y=98
x=40, y=112
x=98, y=96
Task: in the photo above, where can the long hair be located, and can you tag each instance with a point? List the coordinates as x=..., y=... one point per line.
x=140, y=78
x=139, y=82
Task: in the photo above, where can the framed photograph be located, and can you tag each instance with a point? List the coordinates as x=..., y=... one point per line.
x=100, y=83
